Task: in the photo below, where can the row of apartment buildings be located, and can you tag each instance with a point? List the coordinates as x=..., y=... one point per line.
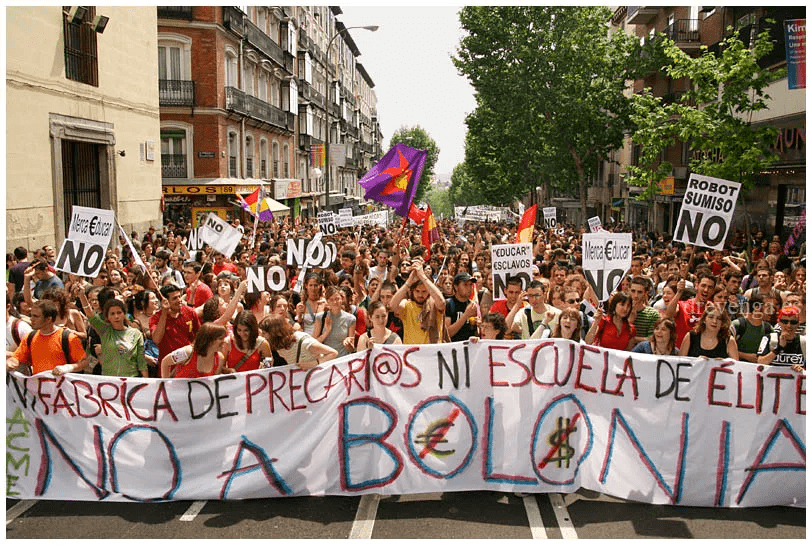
x=777, y=201
x=235, y=97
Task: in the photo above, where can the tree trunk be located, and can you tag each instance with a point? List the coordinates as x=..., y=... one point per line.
x=579, y=168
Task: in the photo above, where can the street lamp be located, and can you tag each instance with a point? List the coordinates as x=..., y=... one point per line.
x=371, y=28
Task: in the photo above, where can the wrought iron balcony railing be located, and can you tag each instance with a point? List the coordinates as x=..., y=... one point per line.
x=172, y=92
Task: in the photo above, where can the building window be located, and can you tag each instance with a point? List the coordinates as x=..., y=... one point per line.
x=248, y=79
x=173, y=154
x=81, y=177
x=81, y=62
x=231, y=69
x=285, y=161
x=275, y=157
x=232, y=155
x=263, y=159
x=249, y=157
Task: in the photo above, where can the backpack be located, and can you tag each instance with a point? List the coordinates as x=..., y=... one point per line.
x=65, y=343
x=15, y=330
x=530, y=325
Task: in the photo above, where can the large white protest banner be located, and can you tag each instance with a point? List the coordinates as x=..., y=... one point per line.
x=380, y=217
x=89, y=231
x=532, y=416
x=509, y=261
x=327, y=223
x=707, y=211
x=549, y=217
x=345, y=218
x=219, y=234
x=606, y=257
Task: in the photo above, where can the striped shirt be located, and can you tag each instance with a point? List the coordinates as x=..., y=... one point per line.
x=644, y=323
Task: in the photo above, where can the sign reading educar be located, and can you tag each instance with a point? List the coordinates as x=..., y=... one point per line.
x=707, y=211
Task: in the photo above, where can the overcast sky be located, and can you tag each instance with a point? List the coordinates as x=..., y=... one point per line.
x=409, y=59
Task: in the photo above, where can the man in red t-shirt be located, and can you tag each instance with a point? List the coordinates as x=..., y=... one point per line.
x=511, y=304
x=175, y=325
x=197, y=292
x=686, y=314
x=220, y=264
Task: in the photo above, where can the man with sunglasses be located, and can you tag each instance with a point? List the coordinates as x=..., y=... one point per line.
x=787, y=348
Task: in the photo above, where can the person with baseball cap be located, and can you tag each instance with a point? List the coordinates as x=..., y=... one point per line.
x=460, y=309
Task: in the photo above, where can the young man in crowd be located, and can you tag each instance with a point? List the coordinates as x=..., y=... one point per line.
x=48, y=347
x=687, y=313
x=460, y=309
x=642, y=315
x=538, y=315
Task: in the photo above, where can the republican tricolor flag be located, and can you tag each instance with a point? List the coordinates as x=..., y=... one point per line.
x=430, y=230
x=525, y=231
x=256, y=200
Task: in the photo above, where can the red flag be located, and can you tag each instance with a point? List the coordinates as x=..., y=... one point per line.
x=430, y=230
x=417, y=215
x=525, y=231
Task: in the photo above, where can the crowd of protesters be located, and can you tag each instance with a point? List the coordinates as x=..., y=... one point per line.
x=188, y=314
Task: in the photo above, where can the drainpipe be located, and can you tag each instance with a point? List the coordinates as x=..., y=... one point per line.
x=241, y=69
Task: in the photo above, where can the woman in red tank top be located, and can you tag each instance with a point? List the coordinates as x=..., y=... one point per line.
x=247, y=348
x=202, y=359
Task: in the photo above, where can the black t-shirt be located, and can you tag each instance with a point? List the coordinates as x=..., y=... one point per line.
x=393, y=323
x=789, y=356
x=454, y=309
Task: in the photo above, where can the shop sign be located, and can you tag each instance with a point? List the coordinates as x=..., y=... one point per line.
x=172, y=199
x=666, y=185
x=284, y=189
x=205, y=154
x=198, y=189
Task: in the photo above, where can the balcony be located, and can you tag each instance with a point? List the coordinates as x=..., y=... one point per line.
x=239, y=102
x=641, y=15
x=684, y=32
x=173, y=166
x=264, y=43
x=352, y=131
x=304, y=141
x=335, y=110
x=232, y=19
x=175, y=12
x=304, y=41
x=172, y=92
x=317, y=98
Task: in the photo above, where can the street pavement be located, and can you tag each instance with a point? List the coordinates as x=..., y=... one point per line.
x=453, y=515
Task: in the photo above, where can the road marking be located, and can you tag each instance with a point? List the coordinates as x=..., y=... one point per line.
x=534, y=517
x=19, y=509
x=563, y=517
x=193, y=511
x=365, y=517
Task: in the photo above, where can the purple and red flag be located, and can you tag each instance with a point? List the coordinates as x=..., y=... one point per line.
x=393, y=180
x=257, y=205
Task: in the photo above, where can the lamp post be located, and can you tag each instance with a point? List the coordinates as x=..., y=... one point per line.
x=371, y=28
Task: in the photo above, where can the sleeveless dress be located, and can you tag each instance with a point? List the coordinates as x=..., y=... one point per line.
x=696, y=350
x=189, y=370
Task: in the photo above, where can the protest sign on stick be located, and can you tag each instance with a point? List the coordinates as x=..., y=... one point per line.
x=707, y=211
x=345, y=218
x=594, y=224
x=510, y=261
x=219, y=234
x=606, y=257
x=89, y=231
x=327, y=223
x=549, y=217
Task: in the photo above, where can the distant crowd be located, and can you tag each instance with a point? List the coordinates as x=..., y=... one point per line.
x=189, y=313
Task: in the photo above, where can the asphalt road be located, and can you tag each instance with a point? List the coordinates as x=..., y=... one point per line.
x=456, y=515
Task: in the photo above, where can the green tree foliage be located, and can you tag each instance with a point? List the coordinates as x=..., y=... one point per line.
x=417, y=138
x=550, y=87
x=463, y=191
x=440, y=202
x=713, y=117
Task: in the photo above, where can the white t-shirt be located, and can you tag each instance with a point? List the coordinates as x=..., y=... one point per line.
x=304, y=356
x=23, y=329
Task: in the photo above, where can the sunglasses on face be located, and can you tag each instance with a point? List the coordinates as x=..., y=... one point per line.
x=573, y=301
x=788, y=322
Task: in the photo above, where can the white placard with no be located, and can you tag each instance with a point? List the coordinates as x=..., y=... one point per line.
x=606, y=258
x=509, y=261
x=707, y=211
x=219, y=234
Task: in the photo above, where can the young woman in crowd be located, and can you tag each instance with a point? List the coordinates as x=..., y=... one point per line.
x=144, y=305
x=293, y=347
x=613, y=330
x=711, y=337
x=378, y=334
x=204, y=358
x=662, y=340
x=312, y=304
x=335, y=327
x=247, y=348
x=569, y=325
x=122, y=346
